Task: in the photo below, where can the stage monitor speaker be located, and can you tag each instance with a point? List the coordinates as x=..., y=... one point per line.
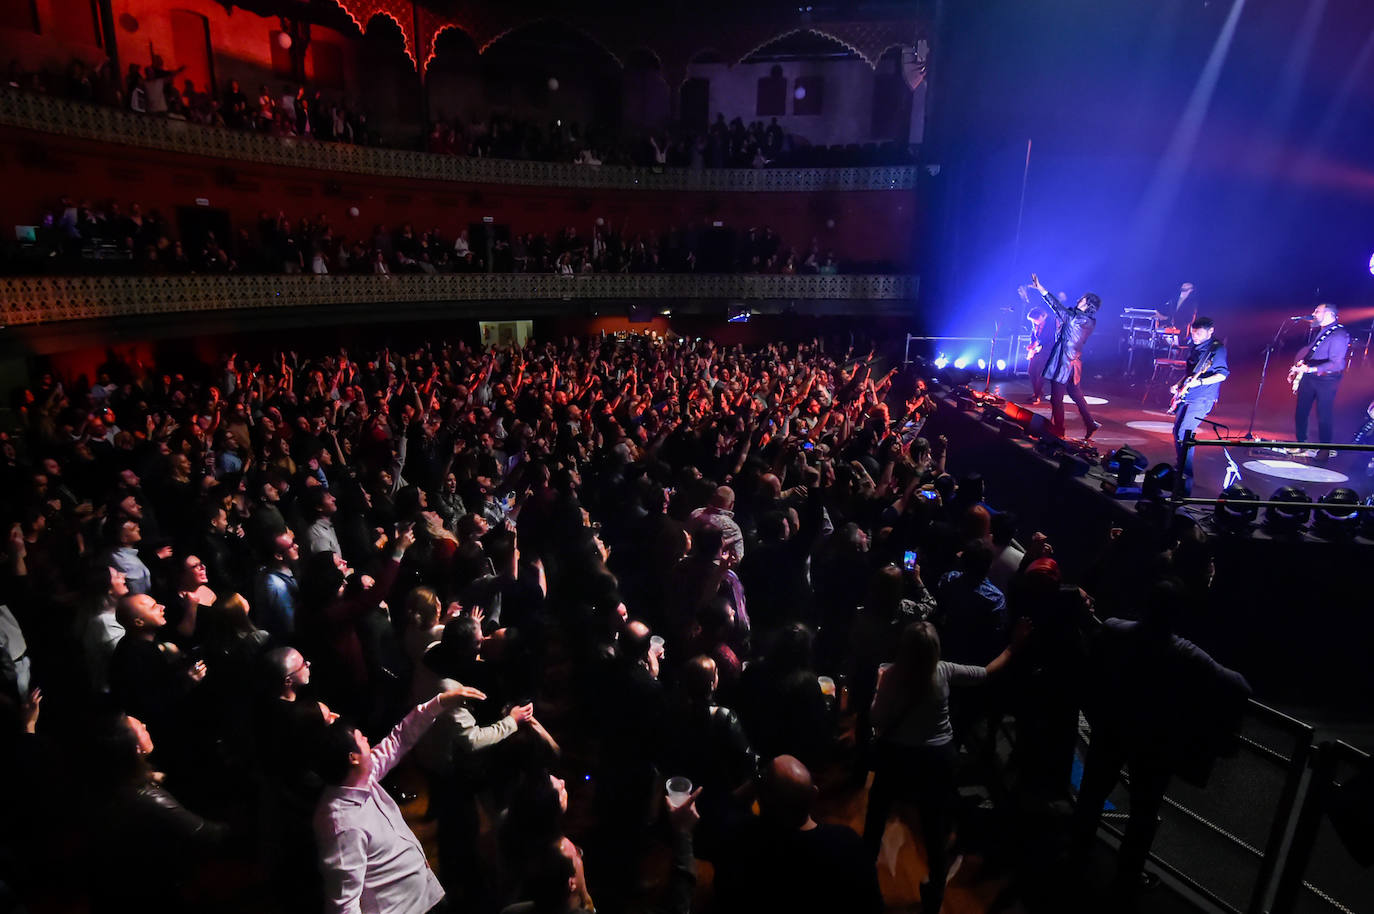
x=1039, y=427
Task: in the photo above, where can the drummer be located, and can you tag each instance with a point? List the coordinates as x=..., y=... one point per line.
x=1178, y=314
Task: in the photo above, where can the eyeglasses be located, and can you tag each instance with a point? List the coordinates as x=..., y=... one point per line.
x=196, y=566
x=305, y=664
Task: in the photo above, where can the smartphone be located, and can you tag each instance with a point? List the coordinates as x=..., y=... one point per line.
x=929, y=494
x=808, y=445
x=909, y=560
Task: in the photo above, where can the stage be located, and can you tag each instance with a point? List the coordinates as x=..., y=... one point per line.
x=1116, y=403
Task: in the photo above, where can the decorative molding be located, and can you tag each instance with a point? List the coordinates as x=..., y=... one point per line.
x=40, y=300
x=47, y=114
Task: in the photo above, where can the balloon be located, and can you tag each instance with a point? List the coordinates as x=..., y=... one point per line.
x=283, y=40
x=553, y=84
x=353, y=211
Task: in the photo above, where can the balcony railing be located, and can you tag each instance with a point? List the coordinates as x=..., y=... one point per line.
x=45, y=113
x=38, y=300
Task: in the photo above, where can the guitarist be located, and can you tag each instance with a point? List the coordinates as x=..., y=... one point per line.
x=1318, y=373
x=1199, y=388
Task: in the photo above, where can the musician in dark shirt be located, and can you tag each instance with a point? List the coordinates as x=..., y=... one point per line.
x=1041, y=340
x=1181, y=312
x=1319, y=369
x=1199, y=388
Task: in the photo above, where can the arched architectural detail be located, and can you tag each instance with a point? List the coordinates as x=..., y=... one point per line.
x=431, y=45
x=595, y=39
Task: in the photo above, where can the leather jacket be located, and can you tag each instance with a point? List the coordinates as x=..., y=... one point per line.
x=1064, y=362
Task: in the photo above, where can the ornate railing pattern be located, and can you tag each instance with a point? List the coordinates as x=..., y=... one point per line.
x=33, y=111
x=37, y=300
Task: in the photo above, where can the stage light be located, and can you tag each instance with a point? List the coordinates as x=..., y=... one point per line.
x=1288, y=520
x=1001, y=364
x=1371, y=264
x=941, y=361
x=1159, y=482
x=1231, y=512
x=982, y=364
x=1126, y=463
x=1333, y=522
x=961, y=362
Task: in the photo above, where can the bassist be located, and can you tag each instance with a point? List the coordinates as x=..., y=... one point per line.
x=1199, y=389
x=1318, y=374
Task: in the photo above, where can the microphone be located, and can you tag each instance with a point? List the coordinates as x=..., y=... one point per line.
x=1301, y=317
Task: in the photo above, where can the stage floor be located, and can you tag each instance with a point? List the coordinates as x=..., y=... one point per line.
x=1149, y=430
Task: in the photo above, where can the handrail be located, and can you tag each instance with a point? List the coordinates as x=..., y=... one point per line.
x=48, y=114
x=36, y=300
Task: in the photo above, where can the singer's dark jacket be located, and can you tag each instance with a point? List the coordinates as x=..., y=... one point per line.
x=1065, y=361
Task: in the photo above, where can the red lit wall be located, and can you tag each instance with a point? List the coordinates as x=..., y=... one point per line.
x=40, y=168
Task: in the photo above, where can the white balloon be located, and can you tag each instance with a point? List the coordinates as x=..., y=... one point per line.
x=283, y=40
x=353, y=211
x=830, y=223
x=553, y=84
x=600, y=221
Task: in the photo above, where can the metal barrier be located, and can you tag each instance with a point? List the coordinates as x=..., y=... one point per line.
x=1224, y=842
x=1320, y=875
x=1191, y=442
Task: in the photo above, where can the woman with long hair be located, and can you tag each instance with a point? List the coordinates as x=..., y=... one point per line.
x=916, y=749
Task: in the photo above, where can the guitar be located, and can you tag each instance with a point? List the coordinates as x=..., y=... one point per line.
x=1032, y=350
x=1204, y=365
x=1296, y=372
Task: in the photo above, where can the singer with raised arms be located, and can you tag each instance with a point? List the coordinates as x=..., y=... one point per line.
x=1317, y=374
x=1064, y=364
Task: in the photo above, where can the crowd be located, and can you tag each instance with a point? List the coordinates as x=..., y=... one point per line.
x=80, y=236
x=154, y=90
x=721, y=145
x=297, y=111
x=239, y=604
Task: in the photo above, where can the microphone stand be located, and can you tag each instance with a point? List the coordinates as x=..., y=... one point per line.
x=1264, y=372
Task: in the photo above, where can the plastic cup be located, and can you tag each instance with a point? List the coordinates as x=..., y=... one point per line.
x=657, y=642
x=827, y=686
x=679, y=790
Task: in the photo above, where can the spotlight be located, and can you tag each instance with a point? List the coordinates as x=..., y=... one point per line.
x=1288, y=519
x=982, y=364
x=941, y=360
x=1126, y=464
x=1333, y=522
x=1159, y=482
x=1231, y=512
x=961, y=362
x=1001, y=364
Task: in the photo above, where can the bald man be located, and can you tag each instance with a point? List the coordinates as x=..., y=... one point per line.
x=784, y=860
x=720, y=514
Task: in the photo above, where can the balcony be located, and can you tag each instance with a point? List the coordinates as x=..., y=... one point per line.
x=47, y=114
x=33, y=301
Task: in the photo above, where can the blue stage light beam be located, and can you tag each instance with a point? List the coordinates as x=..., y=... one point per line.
x=1158, y=202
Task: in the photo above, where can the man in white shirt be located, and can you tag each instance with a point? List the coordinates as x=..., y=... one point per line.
x=321, y=536
x=371, y=861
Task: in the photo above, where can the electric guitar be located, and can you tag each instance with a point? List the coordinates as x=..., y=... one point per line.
x=1296, y=372
x=1204, y=365
x=1032, y=350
